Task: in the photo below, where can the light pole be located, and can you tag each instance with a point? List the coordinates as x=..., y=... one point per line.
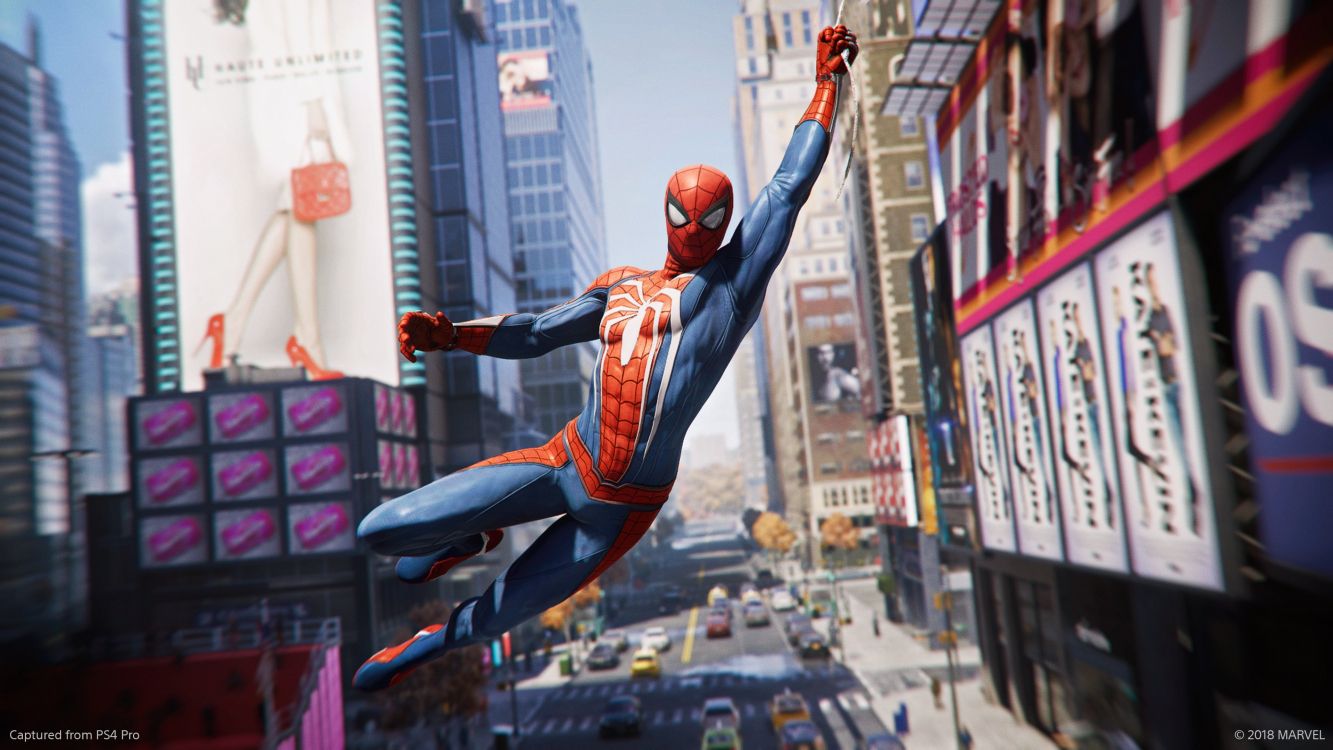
x=950, y=639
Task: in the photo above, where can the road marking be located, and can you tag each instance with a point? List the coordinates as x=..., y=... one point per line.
x=550, y=726
x=677, y=716
x=586, y=725
x=688, y=648
x=659, y=717
x=568, y=725
x=650, y=687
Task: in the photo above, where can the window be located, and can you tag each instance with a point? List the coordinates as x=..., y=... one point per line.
x=920, y=227
x=817, y=321
x=915, y=177
x=754, y=70
x=545, y=36
x=844, y=320
x=813, y=293
x=907, y=127
x=841, y=291
x=805, y=26
x=819, y=265
x=786, y=29
x=749, y=33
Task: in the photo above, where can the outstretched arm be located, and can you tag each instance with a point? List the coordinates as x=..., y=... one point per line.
x=514, y=336
x=762, y=237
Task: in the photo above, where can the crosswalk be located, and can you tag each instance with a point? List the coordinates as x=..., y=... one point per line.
x=673, y=683
x=665, y=717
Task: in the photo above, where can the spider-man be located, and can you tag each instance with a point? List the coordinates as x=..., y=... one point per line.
x=667, y=336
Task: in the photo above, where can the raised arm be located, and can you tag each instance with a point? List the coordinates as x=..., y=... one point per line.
x=762, y=237
x=513, y=336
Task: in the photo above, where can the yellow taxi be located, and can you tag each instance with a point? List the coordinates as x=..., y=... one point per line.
x=646, y=663
x=717, y=594
x=787, y=706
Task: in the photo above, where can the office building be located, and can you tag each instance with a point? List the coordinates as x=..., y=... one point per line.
x=44, y=390
x=555, y=193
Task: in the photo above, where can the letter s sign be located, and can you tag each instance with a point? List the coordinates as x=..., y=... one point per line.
x=1280, y=264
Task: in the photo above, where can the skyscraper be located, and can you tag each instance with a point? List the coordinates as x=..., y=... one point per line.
x=808, y=322
x=113, y=358
x=555, y=193
x=470, y=226
x=42, y=390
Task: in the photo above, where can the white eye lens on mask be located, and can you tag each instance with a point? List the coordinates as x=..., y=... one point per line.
x=714, y=218
x=675, y=216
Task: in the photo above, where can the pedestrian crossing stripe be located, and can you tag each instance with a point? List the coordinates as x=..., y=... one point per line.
x=749, y=711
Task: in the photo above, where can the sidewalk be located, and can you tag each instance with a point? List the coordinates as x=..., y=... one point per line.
x=896, y=668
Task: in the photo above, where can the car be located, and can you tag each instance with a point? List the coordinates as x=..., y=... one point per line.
x=717, y=594
x=623, y=715
x=756, y=616
x=656, y=638
x=646, y=663
x=603, y=656
x=782, y=601
x=821, y=601
x=801, y=735
x=718, y=626
x=752, y=597
x=813, y=646
x=721, y=712
x=797, y=624
x=884, y=741
x=721, y=610
x=787, y=706
x=617, y=639
x=721, y=738
x=764, y=578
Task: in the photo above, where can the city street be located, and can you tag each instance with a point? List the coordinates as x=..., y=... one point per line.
x=750, y=667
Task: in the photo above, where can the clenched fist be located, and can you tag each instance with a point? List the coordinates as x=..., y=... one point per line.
x=833, y=41
x=420, y=331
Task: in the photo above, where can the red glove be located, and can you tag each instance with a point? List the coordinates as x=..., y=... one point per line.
x=833, y=40
x=420, y=331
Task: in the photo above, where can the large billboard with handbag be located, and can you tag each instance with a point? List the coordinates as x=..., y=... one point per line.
x=281, y=213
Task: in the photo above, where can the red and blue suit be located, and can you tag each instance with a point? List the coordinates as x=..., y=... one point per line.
x=666, y=337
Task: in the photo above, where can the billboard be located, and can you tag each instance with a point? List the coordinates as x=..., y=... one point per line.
x=1279, y=253
x=317, y=467
x=244, y=475
x=160, y=424
x=240, y=417
x=315, y=410
x=169, y=482
x=1023, y=411
x=172, y=540
x=280, y=204
x=1155, y=405
x=834, y=374
x=990, y=454
x=891, y=446
x=313, y=528
x=525, y=79
x=937, y=347
x=1083, y=447
x=246, y=534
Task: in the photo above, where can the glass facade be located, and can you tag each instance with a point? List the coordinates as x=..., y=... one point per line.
x=471, y=223
x=555, y=202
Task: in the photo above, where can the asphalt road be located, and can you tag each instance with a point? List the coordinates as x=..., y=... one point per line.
x=750, y=667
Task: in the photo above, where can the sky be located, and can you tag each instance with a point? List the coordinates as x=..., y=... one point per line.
x=663, y=75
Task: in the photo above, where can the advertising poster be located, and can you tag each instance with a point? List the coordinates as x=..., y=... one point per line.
x=1280, y=258
x=902, y=471
x=382, y=398
x=990, y=456
x=525, y=79
x=317, y=467
x=240, y=417
x=168, y=423
x=937, y=347
x=1084, y=448
x=169, y=482
x=279, y=189
x=314, y=410
x=320, y=527
x=172, y=540
x=1023, y=410
x=246, y=534
x=834, y=375
x=1154, y=405
x=244, y=475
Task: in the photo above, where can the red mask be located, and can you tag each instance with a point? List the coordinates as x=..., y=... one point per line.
x=698, y=209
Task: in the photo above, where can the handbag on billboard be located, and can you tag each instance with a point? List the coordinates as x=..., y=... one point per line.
x=321, y=190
